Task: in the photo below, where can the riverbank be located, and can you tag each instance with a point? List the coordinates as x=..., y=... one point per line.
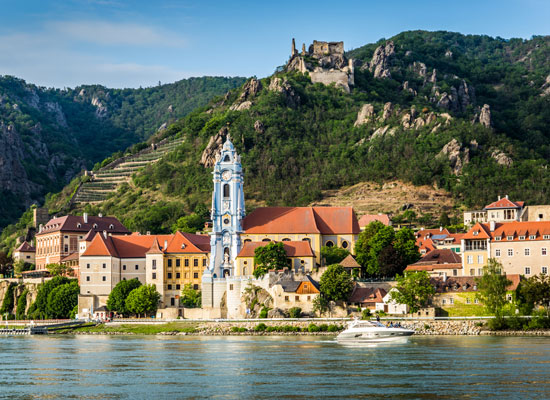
x=287, y=328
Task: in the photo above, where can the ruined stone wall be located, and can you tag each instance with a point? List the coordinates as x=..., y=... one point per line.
x=30, y=284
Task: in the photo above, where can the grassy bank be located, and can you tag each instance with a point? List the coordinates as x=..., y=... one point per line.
x=136, y=329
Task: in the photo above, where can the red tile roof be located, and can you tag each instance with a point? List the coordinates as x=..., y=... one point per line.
x=440, y=256
x=367, y=295
x=349, y=262
x=26, y=248
x=292, y=249
x=425, y=244
x=70, y=257
x=74, y=223
x=368, y=218
x=478, y=231
x=515, y=229
x=136, y=246
x=504, y=203
x=425, y=232
x=324, y=220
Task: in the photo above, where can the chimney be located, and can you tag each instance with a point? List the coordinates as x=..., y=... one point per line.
x=85, y=217
x=105, y=234
x=506, y=197
x=444, y=277
x=499, y=196
x=165, y=244
x=440, y=229
x=148, y=233
x=492, y=226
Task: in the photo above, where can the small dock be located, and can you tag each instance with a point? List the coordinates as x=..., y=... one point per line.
x=39, y=329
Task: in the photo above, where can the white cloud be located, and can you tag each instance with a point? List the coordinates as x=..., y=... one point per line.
x=113, y=33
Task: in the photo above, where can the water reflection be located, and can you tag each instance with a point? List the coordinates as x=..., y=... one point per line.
x=123, y=367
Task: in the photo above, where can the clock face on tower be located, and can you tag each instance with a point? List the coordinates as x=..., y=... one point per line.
x=226, y=175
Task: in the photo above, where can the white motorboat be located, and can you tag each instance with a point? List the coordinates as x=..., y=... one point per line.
x=372, y=331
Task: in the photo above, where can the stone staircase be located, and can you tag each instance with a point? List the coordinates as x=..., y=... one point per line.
x=107, y=179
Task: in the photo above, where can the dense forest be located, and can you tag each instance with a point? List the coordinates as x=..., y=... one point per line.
x=47, y=136
x=298, y=139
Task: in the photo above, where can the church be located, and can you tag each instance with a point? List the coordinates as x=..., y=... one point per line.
x=235, y=235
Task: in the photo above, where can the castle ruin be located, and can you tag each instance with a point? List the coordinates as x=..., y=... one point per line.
x=325, y=63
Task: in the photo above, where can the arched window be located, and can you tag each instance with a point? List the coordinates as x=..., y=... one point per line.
x=286, y=240
x=111, y=226
x=247, y=240
x=306, y=240
x=244, y=271
x=226, y=191
x=329, y=243
x=227, y=158
x=266, y=240
x=345, y=244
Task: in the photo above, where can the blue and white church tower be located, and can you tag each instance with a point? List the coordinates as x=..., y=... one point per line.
x=227, y=213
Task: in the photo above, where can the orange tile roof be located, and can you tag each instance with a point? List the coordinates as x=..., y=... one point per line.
x=324, y=220
x=439, y=231
x=292, y=249
x=504, y=203
x=155, y=248
x=432, y=267
x=368, y=218
x=478, y=231
x=425, y=244
x=521, y=228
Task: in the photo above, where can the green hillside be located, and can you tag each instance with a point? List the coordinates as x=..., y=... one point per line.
x=47, y=136
x=298, y=139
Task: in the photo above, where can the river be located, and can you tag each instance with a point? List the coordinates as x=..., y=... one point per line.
x=289, y=367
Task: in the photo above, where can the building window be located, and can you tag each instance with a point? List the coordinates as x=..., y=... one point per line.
x=169, y=275
x=169, y=287
x=231, y=287
x=195, y=262
x=451, y=300
x=476, y=301
x=296, y=298
x=345, y=244
x=497, y=253
x=522, y=237
x=104, y=265
x=527, y=252
x=527, y=270
x=480, y=271
x=104, y=278
x=154, y=275
x=472, y=271
x=531, y=237
x=468, y=301
x=455, y=272
x=266, y=240
x=178, y=262
x=498, y=238
x=178, y=286
x=196, y=275
x=509, y=237
x=195, y=287
x=204, y=262
x=226, y=191
x=509, y=297
x=543, y=251
x=154, y=264
x=169, y=262
x=186, y=262
x=244, y=271
x=66, y=248
x=285, y=240
x=546, y=237
x=308, y=298
x=544, y=270
x=172, y=301
x=480, y=259
x=87, y=279
x=287, y=298
x=124, y=267
x=470, y=259
x=177, y=275
x=510, y=252
x=137, y=267
x=443, y=301
x=329, y=243
x=88, y=266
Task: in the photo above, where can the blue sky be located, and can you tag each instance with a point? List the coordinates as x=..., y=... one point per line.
x=120, y=43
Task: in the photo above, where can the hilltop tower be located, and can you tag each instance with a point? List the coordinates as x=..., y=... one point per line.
x=227, y=213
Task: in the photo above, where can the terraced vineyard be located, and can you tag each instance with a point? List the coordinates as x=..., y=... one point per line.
x=106, y=180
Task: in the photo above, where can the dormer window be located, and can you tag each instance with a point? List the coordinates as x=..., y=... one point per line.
x=522, y=237
x=510, y=237
x=79, y=225
x=111, y=226
x=476, y=233
x=95, y=225
x=498, y=238
x=546, y=237
x=183, y=245
x=531, y=237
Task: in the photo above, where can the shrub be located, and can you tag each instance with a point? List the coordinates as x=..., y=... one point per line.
x=323, y=327
x=515, y=323
x=333, y=328
x=295, y=312
x=263, y=313
x=497, y=324
x=238, y=329
x=261, y=327
x=271, y=329
x=426, y=326
x=366, y=314
x=313, y=328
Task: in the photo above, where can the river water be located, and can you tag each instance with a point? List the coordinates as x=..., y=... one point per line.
x=289, y=367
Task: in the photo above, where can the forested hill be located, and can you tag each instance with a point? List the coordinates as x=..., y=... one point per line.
x=469, y=114
x=47, y=136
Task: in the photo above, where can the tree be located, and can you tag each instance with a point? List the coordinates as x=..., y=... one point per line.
x=535, y=291
x=444, y=219
x=117, y=298
x=21, y=266
x=62, y=300
x=38, y=309
x=336, y=284
x=143, y=300
x=383, y=238
x=362, y=245
x=21, y=305
x=493, y=287
x=413, y=289
x=390, y=262
x=320, y=304
x=405, y=245
x=333, y=254
x=270, y=256
x=190, y=297
x=6, y=264
x=9, y=301
x=59, y=269
x=191, y=223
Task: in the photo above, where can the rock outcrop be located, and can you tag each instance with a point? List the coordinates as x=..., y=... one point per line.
x=457, y=156
x=101, y=109
x=213, y=148
x=501, y=158
x=419, y=68
x=485, y=116
x=279, y=85
x=388, y=110
x=259, y=126
x=364, y=115
x=57, y=111
x=250, y=90
x=545, y=87
x=381, y=61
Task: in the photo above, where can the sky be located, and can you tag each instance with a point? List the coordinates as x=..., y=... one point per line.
x=122, y=43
